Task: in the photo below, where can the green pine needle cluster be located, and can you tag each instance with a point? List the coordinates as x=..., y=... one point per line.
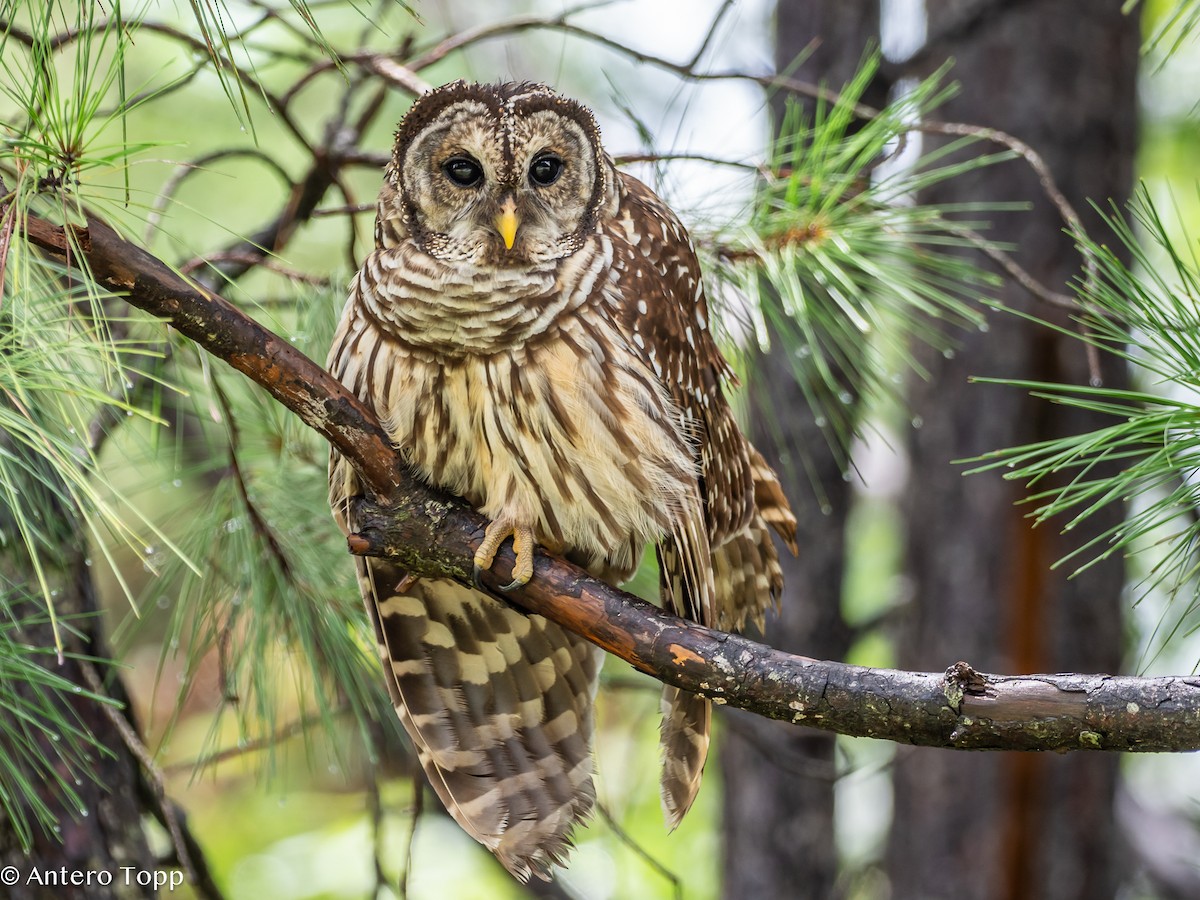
x=1147, y=312
x=64, y=365
x=840, y=262
x=273, y=592
x=1176, y=27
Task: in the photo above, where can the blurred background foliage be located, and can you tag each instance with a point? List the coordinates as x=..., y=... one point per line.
x=207, y=130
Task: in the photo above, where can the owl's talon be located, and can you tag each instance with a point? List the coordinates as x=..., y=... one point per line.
x=476, y=572
x=493, y=537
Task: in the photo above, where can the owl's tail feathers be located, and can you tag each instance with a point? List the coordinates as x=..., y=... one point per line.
x=684, y=742
x=770, y=500
x=499, y=707
x=747, y=577
x=746, y=570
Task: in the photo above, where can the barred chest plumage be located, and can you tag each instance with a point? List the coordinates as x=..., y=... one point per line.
x=500, y=391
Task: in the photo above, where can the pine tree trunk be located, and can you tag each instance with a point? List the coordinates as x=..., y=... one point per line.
x=1058, y=74
x=99, y=850
x=778, y=836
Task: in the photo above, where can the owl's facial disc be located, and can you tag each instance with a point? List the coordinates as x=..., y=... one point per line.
x=498, y=186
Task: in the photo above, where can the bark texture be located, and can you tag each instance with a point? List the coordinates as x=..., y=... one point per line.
x=1058, y=74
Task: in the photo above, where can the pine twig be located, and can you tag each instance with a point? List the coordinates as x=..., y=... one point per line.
x=629, y=841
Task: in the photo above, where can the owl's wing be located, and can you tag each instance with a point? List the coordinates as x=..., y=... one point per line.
x=662, y=311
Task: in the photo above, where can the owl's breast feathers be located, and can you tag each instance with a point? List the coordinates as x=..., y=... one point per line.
x=555, y=418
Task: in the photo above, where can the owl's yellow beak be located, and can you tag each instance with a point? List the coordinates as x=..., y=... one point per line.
x=507, y=222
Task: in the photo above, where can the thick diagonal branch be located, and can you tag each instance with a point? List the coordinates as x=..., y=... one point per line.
x=431, y=534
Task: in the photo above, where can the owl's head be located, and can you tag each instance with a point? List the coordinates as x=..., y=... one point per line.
x=499, y=174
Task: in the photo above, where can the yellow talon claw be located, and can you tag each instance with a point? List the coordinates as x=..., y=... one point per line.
x=523, y=545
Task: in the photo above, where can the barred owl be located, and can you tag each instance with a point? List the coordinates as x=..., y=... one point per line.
x=532, y=332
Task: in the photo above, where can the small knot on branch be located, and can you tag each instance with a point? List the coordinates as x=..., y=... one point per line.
x=961, y=679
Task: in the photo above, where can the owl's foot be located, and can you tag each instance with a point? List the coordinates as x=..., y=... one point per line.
x=523, y=545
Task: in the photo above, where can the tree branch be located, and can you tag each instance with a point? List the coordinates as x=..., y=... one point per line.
x=429, y=533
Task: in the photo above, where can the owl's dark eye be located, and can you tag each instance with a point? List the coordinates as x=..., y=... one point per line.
x=463, y=171
x=545, y=169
